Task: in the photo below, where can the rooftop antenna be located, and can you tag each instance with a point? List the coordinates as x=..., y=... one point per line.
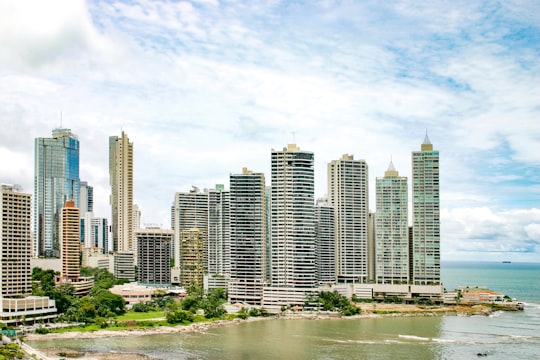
x=60, y=119
x=293, y=136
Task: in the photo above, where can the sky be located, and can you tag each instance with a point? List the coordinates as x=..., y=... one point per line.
x=204, y=88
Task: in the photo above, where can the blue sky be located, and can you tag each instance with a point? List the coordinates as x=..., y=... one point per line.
x=204, y=88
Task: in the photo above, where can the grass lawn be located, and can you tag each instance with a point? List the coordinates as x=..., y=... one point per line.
x=132, y=315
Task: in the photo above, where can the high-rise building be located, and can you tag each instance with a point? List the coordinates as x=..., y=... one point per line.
x=189, y=210
x=95, y=232
x=348, y=194
x=121, y=181
x=17, y=305
x=86, y=198
x=248, y=237
x=56, y=180
x=15, y=242
x=392, y=228
x=124, y=265
x=70, y=242
x=191, y=261
x=219, y=232
x=293, y=219
x=325, y=242
x=154, y=263
x=426, y=215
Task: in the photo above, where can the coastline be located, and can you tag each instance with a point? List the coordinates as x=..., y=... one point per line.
x=368, y=310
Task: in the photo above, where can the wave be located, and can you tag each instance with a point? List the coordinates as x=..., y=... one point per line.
x=413, y=337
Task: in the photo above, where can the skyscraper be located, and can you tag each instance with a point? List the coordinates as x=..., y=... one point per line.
x=293, y=219
x=15, y=242
x=248, y=237
x=70, y=241
x=325, y=241
x=426, y=215
x=189, y=210
x=348, y=194
x=86, y=198
x=392, y=228
x=121, y=181
x=56, y=180
x=219, y=233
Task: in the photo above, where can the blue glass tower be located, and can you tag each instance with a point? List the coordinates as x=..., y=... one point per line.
x=56, y=180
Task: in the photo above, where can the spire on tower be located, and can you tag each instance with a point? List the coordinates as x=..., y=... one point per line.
x=426, y=139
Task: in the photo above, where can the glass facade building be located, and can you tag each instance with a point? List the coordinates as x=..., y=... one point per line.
x=56, y=180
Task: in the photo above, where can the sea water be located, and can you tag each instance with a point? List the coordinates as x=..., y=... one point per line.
x=503, y=335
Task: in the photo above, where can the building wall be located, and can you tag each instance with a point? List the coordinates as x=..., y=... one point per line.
x=348, y=194
x=56, y=180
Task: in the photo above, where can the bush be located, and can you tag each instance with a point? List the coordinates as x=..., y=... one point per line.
x=179, y=316
x=42, y=330
x=141, y=307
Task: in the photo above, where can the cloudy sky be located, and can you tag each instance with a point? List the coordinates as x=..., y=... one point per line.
x=204, y=88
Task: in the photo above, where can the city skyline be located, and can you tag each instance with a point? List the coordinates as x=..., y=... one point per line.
x=206, y=88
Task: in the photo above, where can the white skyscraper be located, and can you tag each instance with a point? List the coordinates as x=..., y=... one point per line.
x=348, y=194
x=426, y=215
x=293, y=219
x=392, y=229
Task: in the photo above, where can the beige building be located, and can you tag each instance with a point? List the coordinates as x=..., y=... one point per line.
x=16, y=245
x=192, y=260
x=15, y=254
x=70, y=244
x=121, y=181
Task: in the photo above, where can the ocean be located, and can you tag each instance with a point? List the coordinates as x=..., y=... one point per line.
x=502, y=335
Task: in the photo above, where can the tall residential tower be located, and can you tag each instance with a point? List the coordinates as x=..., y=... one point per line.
x=248, y=237
x=426, y=216
x=348, y=194
x=293, y=254
x=392, y=229
x=121, y=181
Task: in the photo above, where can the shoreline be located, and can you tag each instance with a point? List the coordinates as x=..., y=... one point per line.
x=368, y=310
